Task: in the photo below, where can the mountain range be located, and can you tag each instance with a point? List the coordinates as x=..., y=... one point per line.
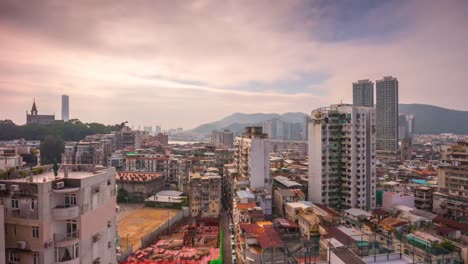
x=429, y=119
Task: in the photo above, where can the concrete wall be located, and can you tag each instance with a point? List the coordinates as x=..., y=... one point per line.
x=152, y=237
x=315, y=162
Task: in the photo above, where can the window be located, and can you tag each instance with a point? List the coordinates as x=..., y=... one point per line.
x=70, y=200
x=14, y=203
x=36, y=258
x=14, y=230
x=33, y=204
x=14, y=257
x=35, y=231
x=72, y=229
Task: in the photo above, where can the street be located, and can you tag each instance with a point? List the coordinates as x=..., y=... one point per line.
x=224, y=222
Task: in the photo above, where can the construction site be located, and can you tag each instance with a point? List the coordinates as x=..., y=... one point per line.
x=192, y=242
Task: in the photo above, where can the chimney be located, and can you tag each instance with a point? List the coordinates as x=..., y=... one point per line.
x=65, y=171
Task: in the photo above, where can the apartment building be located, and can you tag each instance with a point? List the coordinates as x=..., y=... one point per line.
x=253, y=166
x=133, y=161
x=69, y=218
x=128, y=139
x=296, y=148
x=387, y=114
x=423, y=198
x=363, y=93
x=224, y=138
x=342, y=157
x=452, y=196
x=252, y=157
x=205, y=195
x=92, y=151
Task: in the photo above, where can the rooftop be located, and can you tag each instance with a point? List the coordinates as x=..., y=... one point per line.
x=300, y=204
x=79, y=172
x=287, y=182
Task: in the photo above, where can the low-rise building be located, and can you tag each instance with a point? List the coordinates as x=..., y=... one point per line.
x=140, y=185
x=292, y=209
x=389, y=199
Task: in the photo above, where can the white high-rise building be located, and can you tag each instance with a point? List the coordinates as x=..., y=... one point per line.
x=70, y=218
x=65, y=108
x=342, y=146
x=252, y=157
x=253, y=165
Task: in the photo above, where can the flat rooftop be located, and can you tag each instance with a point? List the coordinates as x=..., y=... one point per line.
x=49, y=176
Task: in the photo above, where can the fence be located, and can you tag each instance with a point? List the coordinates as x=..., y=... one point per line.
x=123, y=256
x=152, y=237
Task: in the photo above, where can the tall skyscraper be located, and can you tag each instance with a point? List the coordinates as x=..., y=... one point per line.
x=387, y=114
x=342, y=157
x=363, y=93
x=405, y=126
x=65, y=108
x=223, y=138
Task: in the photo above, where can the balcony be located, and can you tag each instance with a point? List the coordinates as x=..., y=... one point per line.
x=66, y=190
x=62, y=212
x=63, y=240
x=21, y=213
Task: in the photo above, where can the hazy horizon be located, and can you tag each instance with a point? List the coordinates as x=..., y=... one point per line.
x=185, y=63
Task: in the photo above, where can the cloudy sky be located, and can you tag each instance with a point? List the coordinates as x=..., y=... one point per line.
x=182, y=63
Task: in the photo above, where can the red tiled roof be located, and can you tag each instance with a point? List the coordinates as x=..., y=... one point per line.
x=284, y=222
x=444, y=229
x=452, y=223
x=333, y=232
x=379, y=212
x=138, y=176
x=327, y=209
x=267, y=236
x=245, y=206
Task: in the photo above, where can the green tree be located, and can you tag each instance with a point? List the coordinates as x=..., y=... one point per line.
x=122, y=195
x=51, y=149
x=160, y=149
x=447, y=245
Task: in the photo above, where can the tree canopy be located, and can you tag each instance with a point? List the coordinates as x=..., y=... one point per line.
x=72, y=130
x=52, y=148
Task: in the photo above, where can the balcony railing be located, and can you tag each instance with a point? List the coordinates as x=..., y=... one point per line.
x=58, y=238
x=21, y=213
x=63, y=212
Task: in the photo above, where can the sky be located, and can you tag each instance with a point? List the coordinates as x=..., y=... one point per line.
x=179, y=63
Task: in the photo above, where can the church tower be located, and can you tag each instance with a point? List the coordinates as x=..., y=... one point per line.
x=34, y=108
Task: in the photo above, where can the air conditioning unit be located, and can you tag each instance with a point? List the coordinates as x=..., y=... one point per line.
x=2, y=187
x=49, y=244
x=14, y=188
x=59, y=185
x=97, y=261
x=21, y=244
x=96, y=238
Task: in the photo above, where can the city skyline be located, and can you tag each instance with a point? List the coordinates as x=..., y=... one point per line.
x=117, y=60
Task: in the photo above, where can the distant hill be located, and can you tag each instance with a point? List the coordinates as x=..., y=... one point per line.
x=238, y=121
x=429, y=119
